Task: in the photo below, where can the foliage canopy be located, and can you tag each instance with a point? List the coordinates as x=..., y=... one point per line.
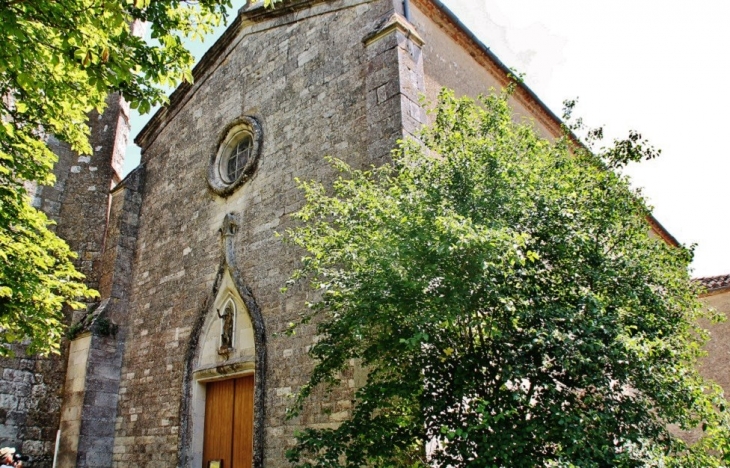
x=59, y=61
x=509, y=304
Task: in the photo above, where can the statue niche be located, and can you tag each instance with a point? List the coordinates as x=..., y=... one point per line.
x=229, y=348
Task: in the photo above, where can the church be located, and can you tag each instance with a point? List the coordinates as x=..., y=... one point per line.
x=182, y=361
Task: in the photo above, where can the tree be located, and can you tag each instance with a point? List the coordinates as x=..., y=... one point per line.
x=509, y=304
x=59, y=61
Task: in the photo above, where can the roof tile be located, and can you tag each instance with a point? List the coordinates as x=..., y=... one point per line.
x=713, y=283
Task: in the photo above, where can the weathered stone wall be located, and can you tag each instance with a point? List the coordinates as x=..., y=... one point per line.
x=716, y=363
x=302, y=74
x=91, y=392
x=79, y=200
x=31, y=389
x=30, y=403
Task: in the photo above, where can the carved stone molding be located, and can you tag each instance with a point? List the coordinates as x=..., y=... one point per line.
x=227, y=280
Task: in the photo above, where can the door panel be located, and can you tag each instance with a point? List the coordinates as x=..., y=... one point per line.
x=218, y=437
x=228, y=434
x=243, y=423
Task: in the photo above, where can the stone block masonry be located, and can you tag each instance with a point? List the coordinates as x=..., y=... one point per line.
x=304, y=74
x=92, y=383
x=342, y=78
x=30, y=404
x=79, y=201
x=79, y=204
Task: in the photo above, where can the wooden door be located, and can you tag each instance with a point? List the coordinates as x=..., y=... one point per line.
x=229, y=423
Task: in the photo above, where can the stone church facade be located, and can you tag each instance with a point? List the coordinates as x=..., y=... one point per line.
x=182, y=361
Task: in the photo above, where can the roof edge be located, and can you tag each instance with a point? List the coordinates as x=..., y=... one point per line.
x=527, y=93
x=662, y=231
x=146, y=135
x=713, y=284
x=715, y=292
x=508, y=75
x=251, y=12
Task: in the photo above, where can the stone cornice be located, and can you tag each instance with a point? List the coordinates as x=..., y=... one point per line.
x=394, y=22
x=715, y=292
x=714, y=285
x=231, y=369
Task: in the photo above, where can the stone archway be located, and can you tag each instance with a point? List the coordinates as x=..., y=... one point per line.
x=225, y=373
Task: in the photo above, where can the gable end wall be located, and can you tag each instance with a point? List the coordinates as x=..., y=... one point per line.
x=303, y=76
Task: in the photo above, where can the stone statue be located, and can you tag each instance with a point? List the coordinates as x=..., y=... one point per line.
x=226, y=329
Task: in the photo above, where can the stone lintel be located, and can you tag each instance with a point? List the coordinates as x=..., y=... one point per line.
x=237, y=368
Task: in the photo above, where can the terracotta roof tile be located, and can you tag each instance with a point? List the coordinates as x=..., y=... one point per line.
x=713, y=283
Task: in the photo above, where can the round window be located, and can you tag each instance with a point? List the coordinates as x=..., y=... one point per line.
x=236, y=156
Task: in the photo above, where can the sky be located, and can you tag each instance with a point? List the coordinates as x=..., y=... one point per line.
x=657, y=66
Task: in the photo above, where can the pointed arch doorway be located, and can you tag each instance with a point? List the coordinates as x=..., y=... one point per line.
x=223, y=404
x=225, y=380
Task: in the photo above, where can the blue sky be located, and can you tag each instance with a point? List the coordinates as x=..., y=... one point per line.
x=657, y=66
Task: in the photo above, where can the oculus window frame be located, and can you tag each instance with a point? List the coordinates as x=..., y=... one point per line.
x=236, y=155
